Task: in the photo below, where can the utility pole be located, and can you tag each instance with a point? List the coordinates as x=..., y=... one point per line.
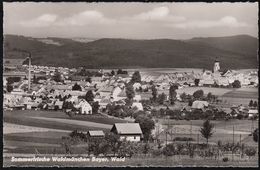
x=29, y=75
x=191, y=129
x=233, y=143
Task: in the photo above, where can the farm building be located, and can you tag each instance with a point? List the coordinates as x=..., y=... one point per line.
x=95, y=134
x=128, y=131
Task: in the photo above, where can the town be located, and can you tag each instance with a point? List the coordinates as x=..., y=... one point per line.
x=134, y=113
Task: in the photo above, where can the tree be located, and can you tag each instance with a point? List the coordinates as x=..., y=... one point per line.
x=146, y=125
x=251, y=103
x=198, y=94
x=256, y=135
x=9, y=87
x=113, y=141
x=76, y=87
x=196, y=82
x=57, y=76
x=130, y=93
x=35, y=79
x=136, y=77
x=207, y=130
x=154, y=93
x=95, y=107
x=161, y=98
x=210, y=96
x=89, y=96
x=112, y=72
x=236, y=84
x=183, y=96
x=88, y=79
x=255, y=104
x=173, y=93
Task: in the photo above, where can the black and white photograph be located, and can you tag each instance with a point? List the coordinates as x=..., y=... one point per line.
x=130, y=84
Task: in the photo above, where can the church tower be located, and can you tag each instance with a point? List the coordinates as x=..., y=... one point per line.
x=216, y=67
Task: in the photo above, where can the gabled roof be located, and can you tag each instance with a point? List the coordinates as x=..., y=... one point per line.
x=96, y=133
x=127, y=128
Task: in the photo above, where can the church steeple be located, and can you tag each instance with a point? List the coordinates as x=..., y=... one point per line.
x=216, y=67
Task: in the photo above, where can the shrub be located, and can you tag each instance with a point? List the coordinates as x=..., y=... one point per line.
x=156, y=152
x=183, y=139
x=250, y=152
x=225, y=159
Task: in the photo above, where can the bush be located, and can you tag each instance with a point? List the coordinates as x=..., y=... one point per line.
x=156, y=152
x=225, y=159
x=183, y=139
x=250, y=152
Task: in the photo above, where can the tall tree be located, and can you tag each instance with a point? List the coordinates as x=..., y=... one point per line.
x=207, y=130
x=173, y=93
x=154, y=93
x=251, y=103
x=89, y=96
x=95, y=107
x=113, y=141
x=196, y=82
x=130, y=93
x=161, y=98
x=256, y=135
x=255, y=104
x=34, y=79
x=136, y=77
x=112, y=72
x=146, y=125
x=57, y=76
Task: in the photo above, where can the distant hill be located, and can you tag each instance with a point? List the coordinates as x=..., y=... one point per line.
x=234, y=52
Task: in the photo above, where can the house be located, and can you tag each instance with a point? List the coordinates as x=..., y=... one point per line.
x=95, y=134
x=104, y=102
x=137, y=98
x=84, y=107
x=138, y=105
x=252, y=112
x=128, y=131
x=199, y=104
x=58, y=104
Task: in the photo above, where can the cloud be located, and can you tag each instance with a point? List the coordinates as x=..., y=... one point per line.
x=85, y=18
x=158, y=14
x=227, y=21
x=44, y=20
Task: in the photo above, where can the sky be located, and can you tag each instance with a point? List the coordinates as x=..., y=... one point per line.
x=130, y=20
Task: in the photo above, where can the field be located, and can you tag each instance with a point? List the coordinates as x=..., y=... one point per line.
x=40, y=132
x=223, y=130
x=31, y=131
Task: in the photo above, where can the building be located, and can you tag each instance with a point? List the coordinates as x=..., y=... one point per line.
x=199, y=104
x=216, y=67
x=128, y=131
x=95, y=134
x=84, y=107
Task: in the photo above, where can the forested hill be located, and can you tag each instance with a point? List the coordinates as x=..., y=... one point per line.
x=234, y=52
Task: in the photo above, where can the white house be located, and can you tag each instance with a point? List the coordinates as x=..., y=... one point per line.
x=84, y=107
x=128, y=131
x=199, y=104
x=138, y=105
